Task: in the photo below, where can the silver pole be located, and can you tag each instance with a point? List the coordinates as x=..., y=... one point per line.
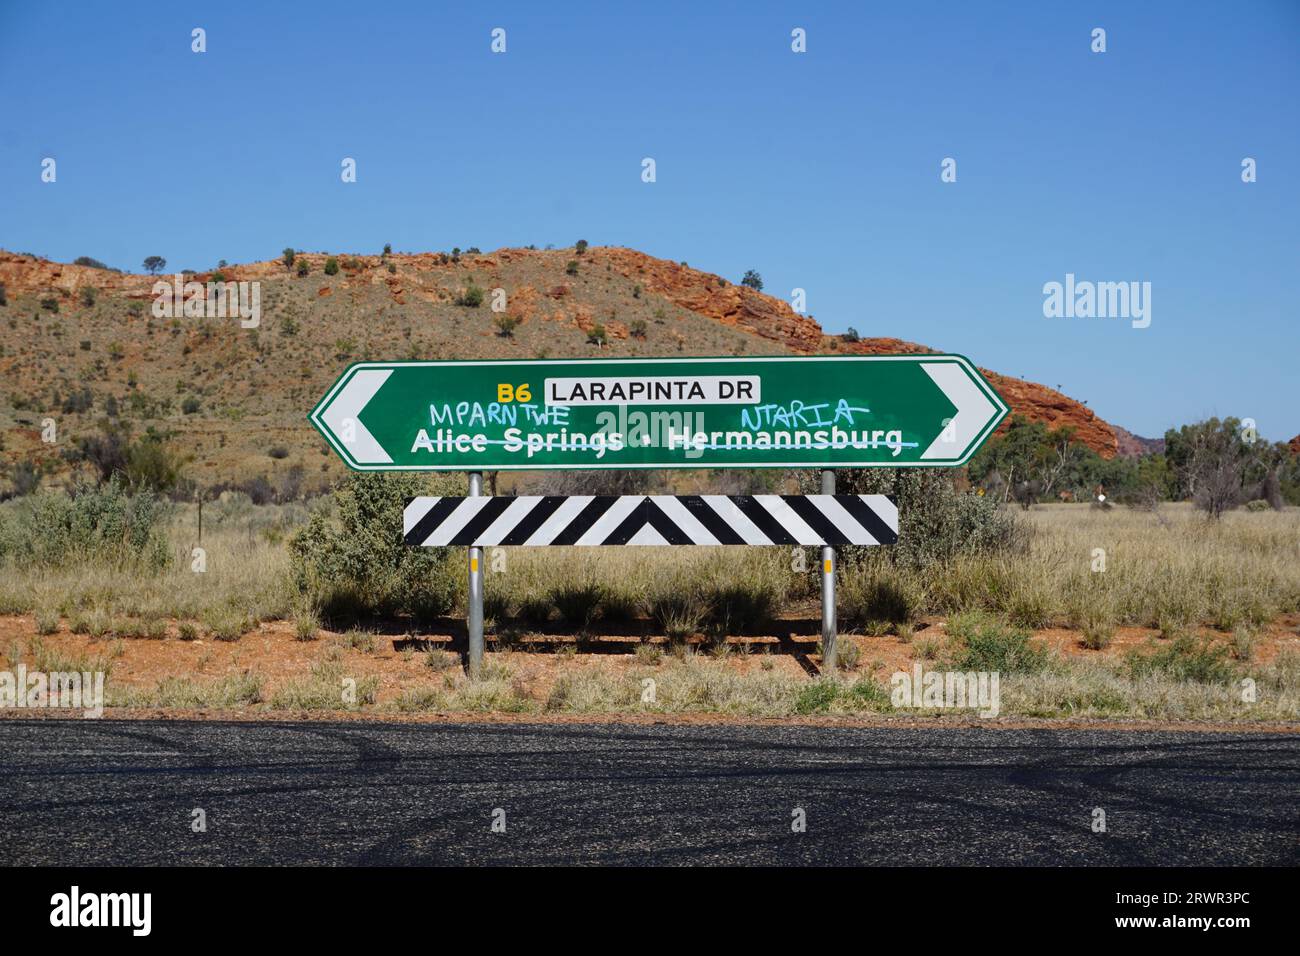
x=475, y=622
x=828, y=588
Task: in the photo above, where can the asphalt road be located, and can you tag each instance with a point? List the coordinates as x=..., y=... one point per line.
x=87, y=792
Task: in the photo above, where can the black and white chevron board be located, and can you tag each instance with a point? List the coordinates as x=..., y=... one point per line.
x=595, y=520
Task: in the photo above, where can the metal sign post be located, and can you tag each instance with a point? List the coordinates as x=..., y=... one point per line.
x=475, y=615
x=828, y=587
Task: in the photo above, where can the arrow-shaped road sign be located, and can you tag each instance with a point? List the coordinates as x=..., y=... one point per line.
x=812, y=412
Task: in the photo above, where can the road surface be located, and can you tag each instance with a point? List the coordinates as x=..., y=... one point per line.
x=92, y=792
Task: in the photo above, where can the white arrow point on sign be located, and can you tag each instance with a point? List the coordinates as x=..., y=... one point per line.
x=974, y=410
x=341, y=417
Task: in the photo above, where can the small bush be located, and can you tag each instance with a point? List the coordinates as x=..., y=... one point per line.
x=306, y=624
x=1098, y=633
x=92, y=524
x=816, y=697
x=440, y=660
x=847, y=654
x=651, y=655
x=47, y=621
x=352, y=559
x=363, y=641
x=936, y=522
x=637, y=328
x=1184, y=659
x=304, y=267
x=596, y=335
x=331, y=266
x=506, y=324
x=288, y=257
x=571, y=267
x=471, y=298
x=986, y=644
x=227, y=626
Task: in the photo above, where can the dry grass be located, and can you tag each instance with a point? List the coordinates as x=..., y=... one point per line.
x=1171, y=570
x=244, y=581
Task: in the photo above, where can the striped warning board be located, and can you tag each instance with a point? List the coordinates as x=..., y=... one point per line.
x=587, y=520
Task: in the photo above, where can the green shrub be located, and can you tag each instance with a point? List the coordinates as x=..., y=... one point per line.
x=306, y=624
x=816, y=697
x=304, y=267
x=288, y=256
x=228, y=626
x=440, y=660
x=1098, y=632
x=847, y=654
x=471, y=298
x=352, y=560
x=92, y=523
x=984, y=643
x=1184, y=659
x=937, y=523
x=363, y=641
x=331, y=266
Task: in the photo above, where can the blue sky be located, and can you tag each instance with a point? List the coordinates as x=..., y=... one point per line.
x=820, y=170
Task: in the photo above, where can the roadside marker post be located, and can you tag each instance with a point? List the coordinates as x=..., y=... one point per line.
x=823, y=412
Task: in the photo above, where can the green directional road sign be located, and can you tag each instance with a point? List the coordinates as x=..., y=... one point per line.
x=813, y=412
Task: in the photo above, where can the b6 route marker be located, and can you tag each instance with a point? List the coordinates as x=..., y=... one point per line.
x=763, y=412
